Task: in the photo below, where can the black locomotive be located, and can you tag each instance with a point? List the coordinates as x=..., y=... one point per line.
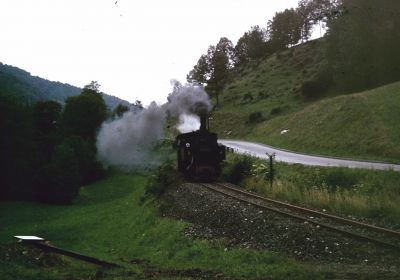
x=199, y=154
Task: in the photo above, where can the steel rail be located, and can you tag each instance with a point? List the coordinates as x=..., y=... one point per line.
x=323, y=225
x=310, y=211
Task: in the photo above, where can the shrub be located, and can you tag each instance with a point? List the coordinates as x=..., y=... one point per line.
x=237, y=170
x=59, y=180
x=247, y=98
x=262, y=94
x=341, y=178
x=313, y=88
x=255, y=117
x=89, y=168
x=165, y=176
x=232, y=86
x=276, y=110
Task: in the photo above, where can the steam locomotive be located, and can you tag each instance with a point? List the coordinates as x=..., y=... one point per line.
x=199, y=155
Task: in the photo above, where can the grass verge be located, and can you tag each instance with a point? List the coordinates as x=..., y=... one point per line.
x=110, y=220
x=363, y=193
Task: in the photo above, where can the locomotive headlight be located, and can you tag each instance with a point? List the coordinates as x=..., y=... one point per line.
x=187, y=145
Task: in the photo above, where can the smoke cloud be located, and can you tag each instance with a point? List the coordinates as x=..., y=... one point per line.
x=129, y=142
x=189, y=99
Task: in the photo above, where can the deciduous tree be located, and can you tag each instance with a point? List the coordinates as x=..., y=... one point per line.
x=363, y=44
x=83, y=114
x=213, y=69
x=285, y=29
x=252, y=45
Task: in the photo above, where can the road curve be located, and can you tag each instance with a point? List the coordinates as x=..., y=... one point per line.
x=260, y=150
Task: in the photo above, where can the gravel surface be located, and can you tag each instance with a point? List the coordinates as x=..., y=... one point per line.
x=219, y=218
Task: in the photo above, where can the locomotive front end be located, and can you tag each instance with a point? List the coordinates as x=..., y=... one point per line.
x=199, y=155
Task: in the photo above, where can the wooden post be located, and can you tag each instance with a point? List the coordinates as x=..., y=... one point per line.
x=271, y=169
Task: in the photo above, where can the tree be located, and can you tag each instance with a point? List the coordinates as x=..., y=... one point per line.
x=221, y=65
x=200, y=72
x=305, y=12
x=363, y=44
x=46, y=115
x=89, y=168
x=37, y=158
x=92, y=86
x=285, y=29
x=214, y=68
x=252, y=45
x=138, y=104
x=119, y=110
x=16, y=147
x=45, y=123
x=59, y=181
x=316, y=12
x=323, y=11
x=83, y=114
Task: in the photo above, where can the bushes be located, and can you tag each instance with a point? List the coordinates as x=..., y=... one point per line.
x=341, y=178
x=255, y=117
x=42, y=159
x=90, y=169
x=72, y=164
x=247, y=98
x=59, y=180
x=166, y=175
x=237, y=169
x=316, y=87
x=261, y=94
x=311, y=89
x=15, y=149
x=276, y=111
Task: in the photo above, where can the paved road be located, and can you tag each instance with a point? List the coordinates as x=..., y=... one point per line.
x=260, y=150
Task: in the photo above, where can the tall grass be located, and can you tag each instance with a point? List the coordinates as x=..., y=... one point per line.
x=383, y=207
x=351, y=192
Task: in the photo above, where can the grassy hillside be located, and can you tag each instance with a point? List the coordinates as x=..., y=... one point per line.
x=357, y=125
x=270, y=87
x=112, y=222
x=361, y=125
x=275, y=81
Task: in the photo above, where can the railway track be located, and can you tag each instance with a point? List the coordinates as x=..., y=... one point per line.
x=380, y=236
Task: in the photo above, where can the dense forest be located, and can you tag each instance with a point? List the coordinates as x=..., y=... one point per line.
x=47, y=144
x=47, y=151
x=362, y=42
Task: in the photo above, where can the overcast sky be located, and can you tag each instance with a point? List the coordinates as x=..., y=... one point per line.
x=132, y=48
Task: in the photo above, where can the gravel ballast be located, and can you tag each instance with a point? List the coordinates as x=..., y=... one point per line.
x=214, y=217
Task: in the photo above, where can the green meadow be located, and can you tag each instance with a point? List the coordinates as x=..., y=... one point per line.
x=114, y=221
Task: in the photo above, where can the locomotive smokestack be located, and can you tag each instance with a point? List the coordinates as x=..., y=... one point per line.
x=203, y=121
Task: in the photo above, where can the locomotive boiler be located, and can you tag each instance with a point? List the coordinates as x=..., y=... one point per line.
x=199, y=155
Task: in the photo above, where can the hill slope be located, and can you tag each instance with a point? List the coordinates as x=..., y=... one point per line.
x=30, y=89
x=357, y=125
x=361, y=125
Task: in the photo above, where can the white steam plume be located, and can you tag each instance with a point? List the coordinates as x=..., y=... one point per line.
x=128, y=142
x=188, y=123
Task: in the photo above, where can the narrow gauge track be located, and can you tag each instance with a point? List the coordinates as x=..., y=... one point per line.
x=365, y=232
